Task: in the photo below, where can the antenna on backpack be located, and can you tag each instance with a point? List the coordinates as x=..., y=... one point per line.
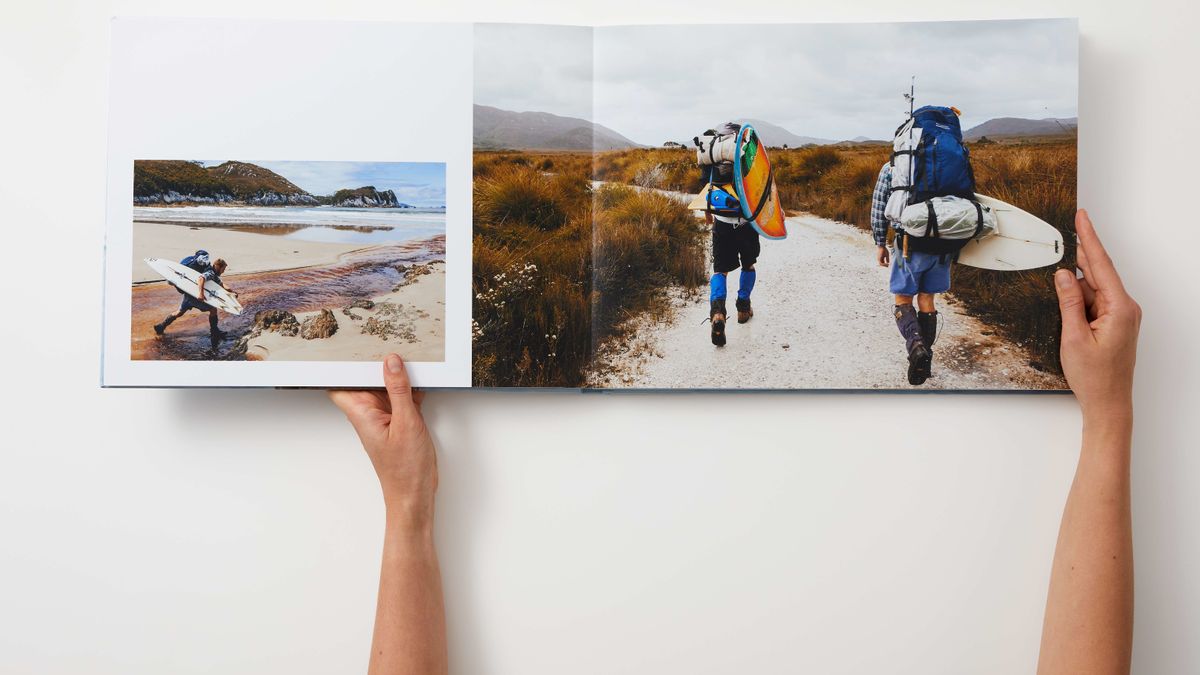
x=911, y=95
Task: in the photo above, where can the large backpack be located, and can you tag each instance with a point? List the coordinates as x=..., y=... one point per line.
x=715, y=152
x=930, y=160
x=197, y=261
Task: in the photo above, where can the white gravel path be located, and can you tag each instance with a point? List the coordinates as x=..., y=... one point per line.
x=823, y=320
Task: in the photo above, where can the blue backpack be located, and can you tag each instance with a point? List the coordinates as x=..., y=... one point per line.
x=941, y=162
x=197, y=261
x=720, y=201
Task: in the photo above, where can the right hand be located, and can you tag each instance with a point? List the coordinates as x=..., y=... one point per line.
x=1100, y=324
x=393, y=433
x=883, y=256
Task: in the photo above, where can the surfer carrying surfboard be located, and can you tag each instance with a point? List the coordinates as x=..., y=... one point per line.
x=211, y=274
x=735, y=241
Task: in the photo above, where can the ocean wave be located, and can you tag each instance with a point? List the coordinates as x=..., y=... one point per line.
x=321, y=216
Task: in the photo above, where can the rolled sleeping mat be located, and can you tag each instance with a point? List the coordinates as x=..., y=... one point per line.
x=715, y=149
x=953, y=218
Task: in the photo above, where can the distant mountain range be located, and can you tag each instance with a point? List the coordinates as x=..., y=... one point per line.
x=186, y=182
x=776, y=136
x=1019, y=126
x=497, y=129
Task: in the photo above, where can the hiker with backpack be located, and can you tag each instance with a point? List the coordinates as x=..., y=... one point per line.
x=210, y=273
x=735, y=242
x=925, y=193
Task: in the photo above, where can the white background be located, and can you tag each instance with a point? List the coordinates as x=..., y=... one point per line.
x=239, y=532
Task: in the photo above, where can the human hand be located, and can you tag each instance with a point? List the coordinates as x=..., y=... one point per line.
x=1100, y=325
x=393, y=433
x=882, y=256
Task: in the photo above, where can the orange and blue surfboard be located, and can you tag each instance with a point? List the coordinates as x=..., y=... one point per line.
x=755, y=185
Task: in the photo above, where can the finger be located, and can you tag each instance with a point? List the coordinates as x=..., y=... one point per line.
x=399, y=389
x=1085, y=266
x=1103, y=274
x=418, y=397
x=1089, y=299
x=381, y=398
x=354, y=403
x=1071, y=305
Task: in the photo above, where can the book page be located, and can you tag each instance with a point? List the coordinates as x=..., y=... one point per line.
x=314, y=176
x=783, y=278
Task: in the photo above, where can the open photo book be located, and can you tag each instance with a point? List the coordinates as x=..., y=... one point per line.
x=667, y=207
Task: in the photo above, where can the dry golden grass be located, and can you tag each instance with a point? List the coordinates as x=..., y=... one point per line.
x=557, y=265
x=836, y=182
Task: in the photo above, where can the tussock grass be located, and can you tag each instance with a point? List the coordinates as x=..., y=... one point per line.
x=643, y=242
x=663, y=168
x=553, y=276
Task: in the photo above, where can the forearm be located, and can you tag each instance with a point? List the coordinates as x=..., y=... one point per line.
x=410, y=625
x=1089, y=609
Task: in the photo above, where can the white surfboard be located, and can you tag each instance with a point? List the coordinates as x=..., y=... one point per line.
x=187, y=280
x=1022, y=241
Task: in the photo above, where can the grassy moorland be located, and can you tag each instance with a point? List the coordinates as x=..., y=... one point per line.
x=836, y=183
x=557, y=265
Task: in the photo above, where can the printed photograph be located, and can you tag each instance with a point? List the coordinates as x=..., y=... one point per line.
x=854, y=206
x=288, y=260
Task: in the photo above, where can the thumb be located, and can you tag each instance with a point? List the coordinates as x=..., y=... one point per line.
x=1071, y=304
x=399, y=389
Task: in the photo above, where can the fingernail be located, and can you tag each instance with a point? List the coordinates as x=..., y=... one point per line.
x=394, y=364
x=1063, y=279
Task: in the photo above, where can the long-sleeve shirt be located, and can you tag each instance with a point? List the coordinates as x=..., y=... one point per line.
x=879, y=198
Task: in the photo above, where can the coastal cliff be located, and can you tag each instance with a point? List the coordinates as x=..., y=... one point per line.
x=180, y=182
x=367, y=197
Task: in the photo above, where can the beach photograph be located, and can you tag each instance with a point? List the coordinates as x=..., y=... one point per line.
x=908, y=189
x=288, y=260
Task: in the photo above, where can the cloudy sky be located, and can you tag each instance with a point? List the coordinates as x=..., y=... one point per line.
x=835, y=81
x=524, y=68
x=415, y=183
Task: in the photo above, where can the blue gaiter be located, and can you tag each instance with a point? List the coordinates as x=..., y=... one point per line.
x=746, y=284
x=716, y=286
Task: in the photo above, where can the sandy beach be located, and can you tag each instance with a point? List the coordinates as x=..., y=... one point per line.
x=372, y=299
x=409, y=321
x=246, y=252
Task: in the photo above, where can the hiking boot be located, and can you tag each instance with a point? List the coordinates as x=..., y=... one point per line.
x=919, y=357
x=927, y=322
x=743, y=309
x=920, y=362
x=716, y=315
x=161, y=327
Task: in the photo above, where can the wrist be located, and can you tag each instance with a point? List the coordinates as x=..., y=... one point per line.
x=1108, y=427
x=1111, y=414
x=409, y=516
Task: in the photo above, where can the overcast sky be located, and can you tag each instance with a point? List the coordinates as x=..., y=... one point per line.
x=415, y=183
x=523, y=67
x=835, y=81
